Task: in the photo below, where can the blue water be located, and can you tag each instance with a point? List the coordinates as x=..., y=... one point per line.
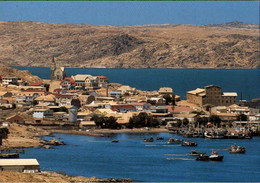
x=131, y=158
x=245, y=81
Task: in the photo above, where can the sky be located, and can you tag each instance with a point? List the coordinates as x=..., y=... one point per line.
x=131, y=12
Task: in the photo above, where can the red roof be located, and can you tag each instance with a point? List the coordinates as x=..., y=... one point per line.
x=179, y=109
x=102, y=77
x=71, y=80
x=36, y=84
x=116, y=107
x=62, y=95
x=138, y=103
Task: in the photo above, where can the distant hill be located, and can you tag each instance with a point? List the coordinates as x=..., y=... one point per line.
x=229, y=45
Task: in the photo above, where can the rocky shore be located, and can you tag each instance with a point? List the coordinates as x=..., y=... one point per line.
x=52, y=177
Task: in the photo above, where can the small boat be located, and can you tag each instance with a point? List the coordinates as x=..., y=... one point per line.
x=149, y=139
x=9, y=155
x=202, y=157
x=196, y=153
x=215, y=156
x=237, y=149
x=115, y=141
x=159, y=138
x=188, y=143
x=174, y=141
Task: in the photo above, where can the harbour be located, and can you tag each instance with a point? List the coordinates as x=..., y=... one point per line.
x=146, y=161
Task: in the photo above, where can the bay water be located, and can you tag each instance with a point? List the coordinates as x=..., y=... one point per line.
x=132, y=158
x=242, y=81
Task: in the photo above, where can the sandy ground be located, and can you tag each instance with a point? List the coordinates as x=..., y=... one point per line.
x=50, y=177
x=21, y=136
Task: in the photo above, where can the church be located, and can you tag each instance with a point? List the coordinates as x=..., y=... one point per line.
x=57, y=73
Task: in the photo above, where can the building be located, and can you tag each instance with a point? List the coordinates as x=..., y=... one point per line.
x=67, y=83
x=57, y=73
x=141, y=106
x=165, y=91
x=16, y=119
x=123, y=108
x=20, y=165
x=211, y=95
x=11, y=81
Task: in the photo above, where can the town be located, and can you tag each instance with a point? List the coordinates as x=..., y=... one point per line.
x=87, y=102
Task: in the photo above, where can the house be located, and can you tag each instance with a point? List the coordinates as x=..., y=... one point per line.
x=68, y=83
x=87, y=81
x=159, y=109
x=64, y=99
x=37, y=84
x=115, y=94
x=180, y=109
x=156, y=100
x=102, y=81
x=5, y=124
x=226, y=116
x=86, y=99
x=123, y=108
x=33, y=88
x=87, y=124
x=42, y=113
x=126, y=90
x=11, y=81
x=15, y=119
x=191, y=117
x=211, y=95
x=141, y=106
x=28, y=96
x=238, y=109
x=49, y=99
x=165, y=91
x=5, y=94
x=20, y=165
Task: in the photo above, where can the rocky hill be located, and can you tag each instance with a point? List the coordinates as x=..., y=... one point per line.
x=25, y=75
x=230, y=45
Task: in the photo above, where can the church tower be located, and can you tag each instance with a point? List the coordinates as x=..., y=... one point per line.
x=53, y=68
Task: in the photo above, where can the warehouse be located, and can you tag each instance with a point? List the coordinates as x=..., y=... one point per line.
x=20, y=165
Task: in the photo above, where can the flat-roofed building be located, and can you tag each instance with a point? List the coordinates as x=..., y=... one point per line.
x=211, y=95
x=20, y=165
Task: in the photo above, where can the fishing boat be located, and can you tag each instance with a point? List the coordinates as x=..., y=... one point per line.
x=237, y=149
x=159, y=138
x=188, y=143
x=9, y=155
x=149, y=139
x=174, y=141
x=202, y=157
x=215, y=156
x=196, y=153
x=115, y=141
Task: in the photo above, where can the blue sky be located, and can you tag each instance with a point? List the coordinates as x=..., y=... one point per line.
x=131, y=12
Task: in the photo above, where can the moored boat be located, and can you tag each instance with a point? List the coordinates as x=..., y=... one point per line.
x=215, y=156
x=9, y=155
x=237, y=149
x=149, y=139
x=196, y=153
x=115, y=141
x=202, y=157
x=188, y=143
x=174, y=141
x=159, y=138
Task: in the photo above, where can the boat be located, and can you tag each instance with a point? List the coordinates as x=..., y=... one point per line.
x=196, y=153
x=237, y=149
x=202, y=157
x=174, y=141
x=188, y=143
x=9, y=155
x=115, y=141
x=159, y=138
x=149, y=139
x=214, y=135
x=215, y=156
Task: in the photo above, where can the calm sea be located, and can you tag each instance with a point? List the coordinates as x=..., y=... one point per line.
x=132, y=158
x=245, y=81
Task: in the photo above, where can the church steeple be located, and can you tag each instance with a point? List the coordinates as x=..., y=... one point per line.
x=53, y=68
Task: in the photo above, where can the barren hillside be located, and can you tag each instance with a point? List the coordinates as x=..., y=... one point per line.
x=230, y=45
